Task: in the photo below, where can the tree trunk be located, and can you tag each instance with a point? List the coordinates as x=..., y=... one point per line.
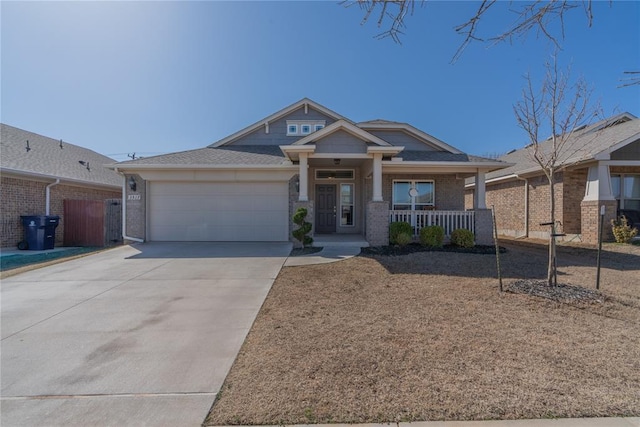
x=552, y=239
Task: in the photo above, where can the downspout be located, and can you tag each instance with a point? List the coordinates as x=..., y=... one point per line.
x=124, y=210
x=47, y=192
x=526, y=207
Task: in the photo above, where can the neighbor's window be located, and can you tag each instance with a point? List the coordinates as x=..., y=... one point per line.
x=346, y=204
x=626, y=190
x=413, y=195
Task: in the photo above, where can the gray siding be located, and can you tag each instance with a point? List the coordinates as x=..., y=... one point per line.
x=629, y=152
x=341, y=142
x=399, y=138
x=278, y=129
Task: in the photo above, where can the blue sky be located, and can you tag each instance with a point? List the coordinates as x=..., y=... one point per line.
x=156, y=77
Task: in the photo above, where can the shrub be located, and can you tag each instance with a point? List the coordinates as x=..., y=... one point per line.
x=462, y=237
x=304, y=227
x=403, y=239
x=622, y=231
x=397, y=228
x=432, y=236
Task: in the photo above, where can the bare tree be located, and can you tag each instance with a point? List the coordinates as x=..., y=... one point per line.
x=545, y=17
x=561, y=108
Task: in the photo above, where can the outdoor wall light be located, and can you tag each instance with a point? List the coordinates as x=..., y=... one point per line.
x=336, y=162
x=132, y=183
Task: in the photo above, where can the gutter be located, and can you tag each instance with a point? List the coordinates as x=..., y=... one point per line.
x=526, y=207
x=124, y=210
x=47, y=192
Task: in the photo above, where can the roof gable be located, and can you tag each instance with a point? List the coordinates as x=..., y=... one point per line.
x=342, y=125
x=424, y=137
x=305, y=103
x=50, y=158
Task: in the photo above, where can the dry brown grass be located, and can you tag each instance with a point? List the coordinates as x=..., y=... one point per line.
x=428, y=336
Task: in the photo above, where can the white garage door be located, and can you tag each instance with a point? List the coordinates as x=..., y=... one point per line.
x=219, y=211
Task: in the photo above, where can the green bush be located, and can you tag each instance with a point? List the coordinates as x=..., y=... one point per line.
x=397, y=228
x=305, y=227
x=622, y=231
x=432, y=236
x=462, y=237
x=403, y=239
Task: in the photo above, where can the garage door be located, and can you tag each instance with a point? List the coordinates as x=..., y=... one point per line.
x=211, y=211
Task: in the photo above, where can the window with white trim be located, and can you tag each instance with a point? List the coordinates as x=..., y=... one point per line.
x=413, y=195
x=335, y=173
x=304, y=127
x=626, y=190
x=347, y=206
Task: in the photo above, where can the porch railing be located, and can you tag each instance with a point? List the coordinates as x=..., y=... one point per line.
x=449, y=220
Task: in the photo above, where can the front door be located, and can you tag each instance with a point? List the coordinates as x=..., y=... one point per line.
x=325, y=208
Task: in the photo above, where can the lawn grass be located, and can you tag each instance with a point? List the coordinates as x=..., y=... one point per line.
x=427, y=336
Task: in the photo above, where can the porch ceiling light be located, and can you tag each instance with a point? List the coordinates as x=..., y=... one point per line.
x=336, y=162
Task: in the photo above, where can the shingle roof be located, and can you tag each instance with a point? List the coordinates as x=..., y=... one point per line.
x=439, y=156
x=225, y=155
x=584, y=145
x=45, y=157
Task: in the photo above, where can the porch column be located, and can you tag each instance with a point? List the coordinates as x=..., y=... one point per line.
x=480, y=196
x=598, y=183
x=377, y=177
x=303, y=195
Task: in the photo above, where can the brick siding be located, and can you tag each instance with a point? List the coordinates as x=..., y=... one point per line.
x=27, y=197
x=136, y=209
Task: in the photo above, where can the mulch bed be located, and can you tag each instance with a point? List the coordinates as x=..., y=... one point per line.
x=396, y=250
x=560, y=292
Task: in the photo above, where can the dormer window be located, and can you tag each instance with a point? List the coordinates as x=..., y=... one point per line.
x=303, y=127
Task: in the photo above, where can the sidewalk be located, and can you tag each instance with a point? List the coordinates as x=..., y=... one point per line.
x=326, y=255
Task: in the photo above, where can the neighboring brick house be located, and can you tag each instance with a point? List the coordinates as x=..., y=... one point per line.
x=603, y=169
x=33, y=165
x=353, y=178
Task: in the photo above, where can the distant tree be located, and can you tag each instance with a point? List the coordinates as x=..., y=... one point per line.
x=561, y=108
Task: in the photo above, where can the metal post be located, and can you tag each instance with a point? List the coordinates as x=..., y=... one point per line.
x=601, y=227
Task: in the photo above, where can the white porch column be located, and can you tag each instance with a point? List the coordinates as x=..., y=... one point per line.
x=303, y=191
x=377, y=177
x=480, y=194
x=598, y=183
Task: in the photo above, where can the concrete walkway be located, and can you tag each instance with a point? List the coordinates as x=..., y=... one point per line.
x=326, y=255
x=134, y=336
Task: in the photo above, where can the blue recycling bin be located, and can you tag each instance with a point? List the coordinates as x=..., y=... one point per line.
x=40, y=231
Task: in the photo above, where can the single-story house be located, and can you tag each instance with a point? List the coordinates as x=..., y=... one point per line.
x=601, y=168
x=38, y=173
x=353, y=178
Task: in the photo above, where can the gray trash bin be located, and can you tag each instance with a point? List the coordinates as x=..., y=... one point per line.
x=40, y=231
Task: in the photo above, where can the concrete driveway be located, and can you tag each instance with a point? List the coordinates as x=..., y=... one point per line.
x=137, y=335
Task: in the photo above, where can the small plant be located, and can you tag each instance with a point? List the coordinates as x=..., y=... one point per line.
x=397, y=228
x=463, y=238
x=622, y=231
x=432, y=236
x=304, y=227
x=403, y=239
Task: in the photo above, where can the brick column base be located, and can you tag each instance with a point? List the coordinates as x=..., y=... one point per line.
x=483, y=227
x=590, y=219
x=310, y=218
x=377, y=232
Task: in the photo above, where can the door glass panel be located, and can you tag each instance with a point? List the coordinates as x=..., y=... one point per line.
x=346, y=204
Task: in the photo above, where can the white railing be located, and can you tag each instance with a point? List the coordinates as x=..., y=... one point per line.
x=449, y=220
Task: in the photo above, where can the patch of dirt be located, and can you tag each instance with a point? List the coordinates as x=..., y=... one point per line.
x=428, y=336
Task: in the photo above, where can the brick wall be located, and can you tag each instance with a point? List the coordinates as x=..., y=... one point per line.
x=507, y=198
x=136, y=208
x=590, y=215
x=449, y=190
x=574, y=187
x=27, y=197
